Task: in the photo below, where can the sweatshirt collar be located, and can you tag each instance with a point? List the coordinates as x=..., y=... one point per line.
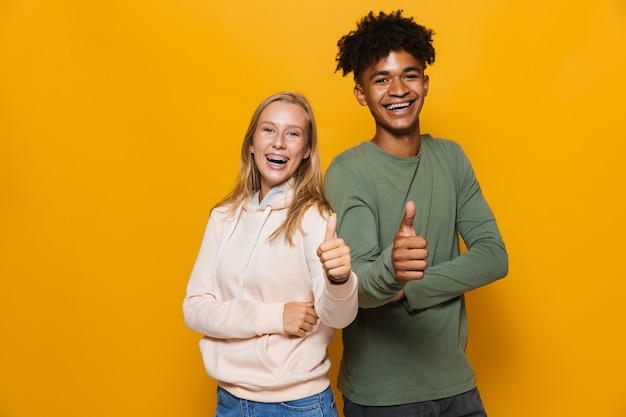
x=271, y=198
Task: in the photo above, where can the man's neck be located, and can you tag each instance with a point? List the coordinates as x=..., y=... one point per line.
x=406, y=146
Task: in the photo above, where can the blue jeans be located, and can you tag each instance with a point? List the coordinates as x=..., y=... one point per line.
x=319, y=405
x=467, y=404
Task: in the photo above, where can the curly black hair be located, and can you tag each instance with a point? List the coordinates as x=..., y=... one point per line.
x=376, y=36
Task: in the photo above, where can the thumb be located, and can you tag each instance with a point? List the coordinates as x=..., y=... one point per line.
x=331, y=226
x=407, y=227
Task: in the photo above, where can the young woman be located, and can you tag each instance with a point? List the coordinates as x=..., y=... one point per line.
x=271, y=280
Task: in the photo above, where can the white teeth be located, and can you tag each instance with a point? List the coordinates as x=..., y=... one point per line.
x=398, y=106
x=277, y=159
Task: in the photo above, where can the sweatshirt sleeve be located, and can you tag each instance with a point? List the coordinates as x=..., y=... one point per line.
x=357, y=225
x=485, y=260
x=336, y=305
x=207, y=314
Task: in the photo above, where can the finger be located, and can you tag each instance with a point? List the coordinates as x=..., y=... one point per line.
x=298, y=333
x=312, y=314
x=308, y=325
x=331, y=227
x=409, y=265
x=399, y=296
x=339, y=265
x=304, y=303
x=406, y=225
x=410, y=275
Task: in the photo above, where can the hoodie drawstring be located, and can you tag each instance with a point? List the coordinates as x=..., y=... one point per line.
x=266, y=214
x=237, y=216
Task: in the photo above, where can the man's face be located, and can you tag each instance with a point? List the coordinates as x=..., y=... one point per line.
x=394, y=89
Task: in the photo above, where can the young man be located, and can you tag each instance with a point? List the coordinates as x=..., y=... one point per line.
x=403, y=199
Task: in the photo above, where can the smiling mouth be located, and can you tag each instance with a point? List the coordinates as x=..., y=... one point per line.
x=398, y=106
x=277, y=159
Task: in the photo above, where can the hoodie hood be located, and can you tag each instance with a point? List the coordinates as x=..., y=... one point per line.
x=278, y=197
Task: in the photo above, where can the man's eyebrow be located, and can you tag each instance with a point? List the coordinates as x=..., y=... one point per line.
x=410, y=69
x=405, y=70
x=379, y=74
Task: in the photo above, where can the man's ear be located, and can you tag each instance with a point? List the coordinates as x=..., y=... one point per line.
x=360, y=95
x=426, y=84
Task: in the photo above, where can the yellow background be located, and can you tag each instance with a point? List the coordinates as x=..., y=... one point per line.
x=120, y=125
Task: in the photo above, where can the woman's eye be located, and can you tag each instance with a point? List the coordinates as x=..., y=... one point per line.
x=294, y=134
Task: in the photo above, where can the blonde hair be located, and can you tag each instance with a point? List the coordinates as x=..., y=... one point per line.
x=308, y=188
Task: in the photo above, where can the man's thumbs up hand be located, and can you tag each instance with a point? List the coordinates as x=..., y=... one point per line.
x=409, y=251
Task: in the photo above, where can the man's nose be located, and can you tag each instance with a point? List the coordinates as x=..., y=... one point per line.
x=398, y=87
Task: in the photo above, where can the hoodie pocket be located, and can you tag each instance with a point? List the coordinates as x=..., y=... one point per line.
x=280, y=352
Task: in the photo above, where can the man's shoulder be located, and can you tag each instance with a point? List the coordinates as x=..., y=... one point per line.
x=352, y=152
x=440, y=149
x=350, y=158
x=439, y=143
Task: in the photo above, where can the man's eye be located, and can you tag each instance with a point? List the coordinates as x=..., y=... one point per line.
x=380, y=80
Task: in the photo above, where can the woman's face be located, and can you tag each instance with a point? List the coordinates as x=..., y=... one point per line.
x=279, y=143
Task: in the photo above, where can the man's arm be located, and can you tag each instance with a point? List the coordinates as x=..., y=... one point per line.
x=485, y=260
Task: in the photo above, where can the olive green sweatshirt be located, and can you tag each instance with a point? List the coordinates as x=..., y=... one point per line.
x=412, y=350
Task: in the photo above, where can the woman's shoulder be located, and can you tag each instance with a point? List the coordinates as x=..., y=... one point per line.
x=313, y=224
x=223, y=212
x=316, y=213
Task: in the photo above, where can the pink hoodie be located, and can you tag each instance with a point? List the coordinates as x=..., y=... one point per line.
x=236, y=294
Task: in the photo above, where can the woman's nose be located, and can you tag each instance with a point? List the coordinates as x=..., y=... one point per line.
x=279, y=140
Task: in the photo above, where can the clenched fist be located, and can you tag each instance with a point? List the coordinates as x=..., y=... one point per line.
x=299, y=318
